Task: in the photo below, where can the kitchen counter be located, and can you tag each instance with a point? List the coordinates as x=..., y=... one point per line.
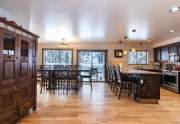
x=140, y=72
x=147, y=85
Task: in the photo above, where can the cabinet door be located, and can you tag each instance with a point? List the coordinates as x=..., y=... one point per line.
x=34, y=58
x=24, y=92
x=150, y=87
x=8, y=59
x=164, y=54
x=8, y=99
x=157, y=54
x=25, y=60
x=25, y=65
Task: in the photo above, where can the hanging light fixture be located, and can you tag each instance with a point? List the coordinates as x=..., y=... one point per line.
x=125, y=51
x=63, y=44
x=133, y=48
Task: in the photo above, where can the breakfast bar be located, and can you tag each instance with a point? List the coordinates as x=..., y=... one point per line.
x=146, y=85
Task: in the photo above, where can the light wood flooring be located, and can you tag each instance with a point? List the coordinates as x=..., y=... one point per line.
x=101, y=107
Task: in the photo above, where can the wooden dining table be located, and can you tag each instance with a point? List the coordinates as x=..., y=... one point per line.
x=51, y=72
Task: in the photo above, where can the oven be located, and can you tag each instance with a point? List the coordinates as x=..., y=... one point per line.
x=171, y=80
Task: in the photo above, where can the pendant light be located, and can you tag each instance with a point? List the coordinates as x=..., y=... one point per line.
x=125, y=51
x=63, y=44
x=133, y=48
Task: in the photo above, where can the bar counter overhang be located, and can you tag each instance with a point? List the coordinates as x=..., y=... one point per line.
x=147, y=87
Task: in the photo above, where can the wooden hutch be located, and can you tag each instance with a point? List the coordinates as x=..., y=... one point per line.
x=18, y=60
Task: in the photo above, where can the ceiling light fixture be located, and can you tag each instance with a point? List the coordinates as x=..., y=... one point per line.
x=125, y=51
x=63, y=44
x=133, y=48
x=174, y=9
x=172, y=30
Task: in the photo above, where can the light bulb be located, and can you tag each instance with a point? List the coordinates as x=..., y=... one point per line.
x=133, y=49
x=125, y=52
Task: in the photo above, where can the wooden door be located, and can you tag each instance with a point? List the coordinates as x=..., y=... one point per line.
x=8, y=69
x=25, y=65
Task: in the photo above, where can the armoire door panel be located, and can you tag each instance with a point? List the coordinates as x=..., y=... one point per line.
x=8, y=98
x=8, y=69
x=33, y=88
x=24, y=92
x=24, y=68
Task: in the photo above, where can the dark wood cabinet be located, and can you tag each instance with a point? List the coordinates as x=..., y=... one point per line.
x=168, y=53
x=157, y=55
x=18, y=55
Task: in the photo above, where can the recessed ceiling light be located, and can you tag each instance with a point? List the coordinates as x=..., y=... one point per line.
x=172, y=30
x=174, y=9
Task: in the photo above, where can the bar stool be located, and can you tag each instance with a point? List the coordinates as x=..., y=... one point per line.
x=121, y=84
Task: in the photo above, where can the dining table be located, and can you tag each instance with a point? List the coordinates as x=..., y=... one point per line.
x=81, y=73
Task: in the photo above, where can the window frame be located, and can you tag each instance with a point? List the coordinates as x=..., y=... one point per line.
x=147, y=57
x=44, y=49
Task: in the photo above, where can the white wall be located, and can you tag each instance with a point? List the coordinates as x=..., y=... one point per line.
x=103, y=46
x=16, y=10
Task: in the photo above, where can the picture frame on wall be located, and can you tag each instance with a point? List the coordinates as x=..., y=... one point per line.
x=118, y=53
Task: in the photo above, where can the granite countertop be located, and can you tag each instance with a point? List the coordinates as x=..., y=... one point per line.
x=134, y=71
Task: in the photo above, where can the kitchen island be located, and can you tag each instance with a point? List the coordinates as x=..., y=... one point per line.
x=146, y=86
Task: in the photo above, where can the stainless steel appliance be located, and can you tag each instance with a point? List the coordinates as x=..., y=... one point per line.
x=171, y=80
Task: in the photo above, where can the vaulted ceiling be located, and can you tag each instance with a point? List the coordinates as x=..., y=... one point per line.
x=97, y=20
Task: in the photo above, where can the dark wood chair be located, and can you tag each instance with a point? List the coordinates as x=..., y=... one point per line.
x=57, y=67
x=45, y=79
x=73, y=80
x=60, y=78
x=86, y=75
x=45, y=67
x=121, y=84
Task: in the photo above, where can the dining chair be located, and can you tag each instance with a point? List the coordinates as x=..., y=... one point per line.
x=45, y=79
x=73, y=80
x=60, y=78
x=86, y=75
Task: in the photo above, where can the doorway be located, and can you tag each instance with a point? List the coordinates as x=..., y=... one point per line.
x=96, y=59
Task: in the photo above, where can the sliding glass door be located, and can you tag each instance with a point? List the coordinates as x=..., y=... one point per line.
x=94, y=59
x=57, y=57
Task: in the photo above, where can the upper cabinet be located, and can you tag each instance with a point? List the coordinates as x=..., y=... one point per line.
x=169, y=53
x=157, y=55
x=164, y=54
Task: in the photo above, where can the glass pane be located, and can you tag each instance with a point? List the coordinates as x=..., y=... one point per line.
x=9, y=45
x=57, y=57
x=93, y=59
x=85, y=60
x=24, y=48
x=138, y=57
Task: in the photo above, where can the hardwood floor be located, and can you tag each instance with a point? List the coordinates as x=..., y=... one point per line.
x=101, y=107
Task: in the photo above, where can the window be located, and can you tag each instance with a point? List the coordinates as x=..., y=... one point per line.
x=138, y=57
x=57, y=57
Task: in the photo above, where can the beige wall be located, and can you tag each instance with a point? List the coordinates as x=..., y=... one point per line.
x=102, y=46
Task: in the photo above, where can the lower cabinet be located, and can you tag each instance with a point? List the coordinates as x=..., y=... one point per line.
x=9, y=118
x=23, y=108
x=17, y=101
x=8, y=99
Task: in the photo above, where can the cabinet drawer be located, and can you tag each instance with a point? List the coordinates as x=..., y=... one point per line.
x=9, y=118
x=25, y=107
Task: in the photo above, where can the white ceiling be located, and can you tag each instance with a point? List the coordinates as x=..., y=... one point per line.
x=99, y=20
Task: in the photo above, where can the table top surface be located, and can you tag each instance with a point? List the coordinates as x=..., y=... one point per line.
x=134, y=71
